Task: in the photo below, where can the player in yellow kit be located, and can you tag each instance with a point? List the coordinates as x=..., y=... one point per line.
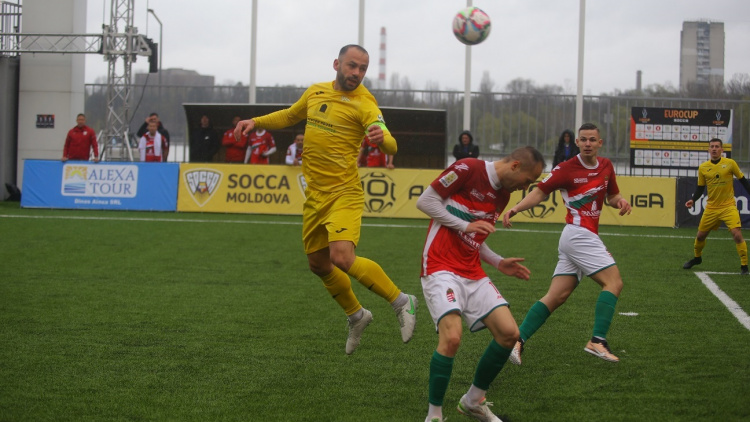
x=717, y=175
x=338, y=115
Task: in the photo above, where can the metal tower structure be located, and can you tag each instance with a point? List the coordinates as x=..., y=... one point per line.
x=120, y=43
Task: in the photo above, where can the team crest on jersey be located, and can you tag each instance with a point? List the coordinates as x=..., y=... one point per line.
x=202, y=184
x=448, y=179
x=450, y=296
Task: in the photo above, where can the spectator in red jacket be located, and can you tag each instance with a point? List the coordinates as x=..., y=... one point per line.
x=235, y=149
x=79, y=142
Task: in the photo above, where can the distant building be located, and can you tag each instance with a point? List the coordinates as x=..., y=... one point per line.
x=702, y=53
x=175, y=77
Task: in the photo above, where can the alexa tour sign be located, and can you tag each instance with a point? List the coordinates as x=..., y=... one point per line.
x=82, y=184
x=108, y=181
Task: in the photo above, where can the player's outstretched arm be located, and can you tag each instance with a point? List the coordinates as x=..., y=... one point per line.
x=696, y=195
x=532, y=199
x=508, y=266
x=244, y=127
x=512, y=267
x=617, y=201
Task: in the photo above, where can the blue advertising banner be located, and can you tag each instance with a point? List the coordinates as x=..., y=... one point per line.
x=690, y=217
x=106, y=185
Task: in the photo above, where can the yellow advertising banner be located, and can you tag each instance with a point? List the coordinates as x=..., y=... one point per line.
x=240, y=188
x=652, y=199
x=273, y=189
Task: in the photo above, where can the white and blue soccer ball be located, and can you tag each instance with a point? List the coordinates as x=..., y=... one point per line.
x=471, y=25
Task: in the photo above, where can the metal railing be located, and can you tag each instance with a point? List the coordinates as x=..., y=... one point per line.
x=500, y=122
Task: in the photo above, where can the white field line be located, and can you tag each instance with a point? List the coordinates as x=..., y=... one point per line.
x=733, y=307
x=298, y=223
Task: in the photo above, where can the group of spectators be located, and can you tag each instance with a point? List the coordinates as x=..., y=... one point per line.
x=153, y=143
x=565, y=150
x=257, y=147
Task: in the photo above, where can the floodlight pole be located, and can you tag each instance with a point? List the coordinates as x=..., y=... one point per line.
x=467, y=84
x=579, y=91
x=253, y=47
x=361, y=32
x=161, y=50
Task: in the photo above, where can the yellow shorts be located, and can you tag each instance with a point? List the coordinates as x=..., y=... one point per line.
x=712, y=217
x=331, y=216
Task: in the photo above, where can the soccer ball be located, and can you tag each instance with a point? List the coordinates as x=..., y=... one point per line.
x=471, y=25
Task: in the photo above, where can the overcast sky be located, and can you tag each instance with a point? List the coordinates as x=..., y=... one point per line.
x=530, y=39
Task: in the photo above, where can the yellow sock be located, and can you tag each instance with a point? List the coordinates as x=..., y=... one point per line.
x=340, y=288
x=698, y=247
x=372, y=276
x=742, y=252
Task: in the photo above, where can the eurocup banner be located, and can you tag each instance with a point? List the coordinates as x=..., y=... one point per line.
x=676, y=138
x=105, y=185
x=272, y=189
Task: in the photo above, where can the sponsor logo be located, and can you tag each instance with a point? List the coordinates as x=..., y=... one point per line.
x=202, y=184
x=651, y=200
x=448, y=179
x=302, y=184
x=680, y=114
x=594, y=212
x=580, y=180
x=379, y=191
x=258, y=188
x=100, y=180
x=476, y=194
x=644, y=116
x=718, y=120
x=544, y=208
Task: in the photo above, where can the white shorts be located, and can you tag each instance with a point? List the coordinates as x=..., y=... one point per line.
x=581, y=252
x=446, y=292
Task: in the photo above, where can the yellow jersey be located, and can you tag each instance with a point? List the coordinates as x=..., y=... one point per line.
x=718, y=179
x=337, y=121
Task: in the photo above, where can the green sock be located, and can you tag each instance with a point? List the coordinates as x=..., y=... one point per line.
x=535, y=318
x=490, y=364
x=440, y=374
x=605, y=310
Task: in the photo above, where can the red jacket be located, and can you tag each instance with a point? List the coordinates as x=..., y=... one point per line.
x=235, y=152
x=79, y=142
